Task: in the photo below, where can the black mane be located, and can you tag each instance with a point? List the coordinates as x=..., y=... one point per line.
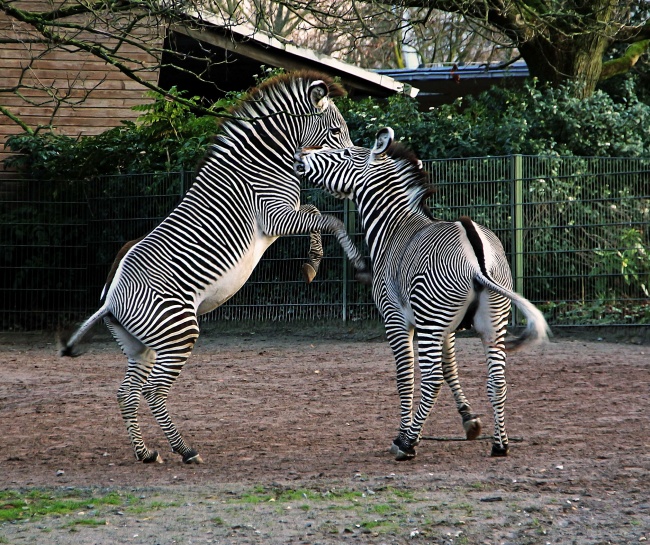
x=254, y=94
x=417, y=178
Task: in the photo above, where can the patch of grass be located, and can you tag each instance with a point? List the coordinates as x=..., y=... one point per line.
x=260, y=494
x=467, y=507
x=329, y=527
x=140, y=508
x=16, y=505
x=218, y=521
x=539, y=528
x=405, y=495
x=382, y=508
x=344, y=494
x=297, y=495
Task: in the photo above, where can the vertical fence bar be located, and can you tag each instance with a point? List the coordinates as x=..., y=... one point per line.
x=517, y=226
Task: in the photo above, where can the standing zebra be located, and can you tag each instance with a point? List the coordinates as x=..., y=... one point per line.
x=245, y=196
x=429, y=276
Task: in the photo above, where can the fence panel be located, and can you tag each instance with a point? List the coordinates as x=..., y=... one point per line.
x=586, y=236
x=576, y=229
x=42, y=255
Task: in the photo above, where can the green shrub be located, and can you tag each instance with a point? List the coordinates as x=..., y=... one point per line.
x=501, y=121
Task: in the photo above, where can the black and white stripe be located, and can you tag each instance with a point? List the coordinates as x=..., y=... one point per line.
x=244, y=197
x=430, y=277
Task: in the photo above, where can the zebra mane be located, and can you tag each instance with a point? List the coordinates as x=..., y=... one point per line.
x=335, y=89
x=416, y=179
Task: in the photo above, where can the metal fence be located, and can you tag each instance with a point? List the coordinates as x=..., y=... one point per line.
x=577, y=231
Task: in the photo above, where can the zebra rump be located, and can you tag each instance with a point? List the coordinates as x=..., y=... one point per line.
x=536, y=330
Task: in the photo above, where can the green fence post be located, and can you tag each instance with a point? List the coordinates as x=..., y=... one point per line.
x=518, y=226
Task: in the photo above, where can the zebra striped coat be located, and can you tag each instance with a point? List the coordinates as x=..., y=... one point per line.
x=429, y=276
x=244, y=197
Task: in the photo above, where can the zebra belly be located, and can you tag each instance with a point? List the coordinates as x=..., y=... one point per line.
x=231, y=282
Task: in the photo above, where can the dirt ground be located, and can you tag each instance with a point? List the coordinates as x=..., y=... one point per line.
x=275, y=408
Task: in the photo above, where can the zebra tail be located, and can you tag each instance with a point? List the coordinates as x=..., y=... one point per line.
x=67, y=346
x=537, y=330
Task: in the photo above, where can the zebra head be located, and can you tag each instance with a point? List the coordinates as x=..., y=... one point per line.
x=345, y=172
x=290, y=111
x=364, y=175
x=342, y=171
x=330, y=129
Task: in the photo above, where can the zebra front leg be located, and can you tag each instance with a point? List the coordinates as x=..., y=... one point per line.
x=400, y=338
x=309, y=270
x=283, y=221
x=471, y=422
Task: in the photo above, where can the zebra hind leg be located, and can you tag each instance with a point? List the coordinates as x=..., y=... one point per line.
x=156, y=391
x=169, y=363
x=471, y=421
x=491, y=323
x=141, y=360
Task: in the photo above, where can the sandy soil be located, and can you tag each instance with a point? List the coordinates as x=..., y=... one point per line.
x=281, y=410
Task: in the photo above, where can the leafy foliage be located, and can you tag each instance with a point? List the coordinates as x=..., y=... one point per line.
x=532, y=121
x=169, y=137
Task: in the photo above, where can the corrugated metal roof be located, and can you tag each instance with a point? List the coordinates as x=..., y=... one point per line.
x=443, y=84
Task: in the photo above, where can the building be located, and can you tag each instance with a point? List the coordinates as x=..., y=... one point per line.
x=77, y=93
x=444, y=83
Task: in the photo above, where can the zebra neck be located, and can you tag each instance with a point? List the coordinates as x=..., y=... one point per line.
x=252, y=160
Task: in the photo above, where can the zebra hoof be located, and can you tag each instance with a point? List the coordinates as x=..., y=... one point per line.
x=402, y=450
x=498, y=451
x=153, y=458
x=192, y=457
x=308, y=272
x=472, y=427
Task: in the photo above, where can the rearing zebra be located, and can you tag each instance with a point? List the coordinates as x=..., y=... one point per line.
x=246, y=194
x=430, y=276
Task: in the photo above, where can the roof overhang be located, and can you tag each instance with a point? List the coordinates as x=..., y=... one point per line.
x=264, y=48
x=443, y=84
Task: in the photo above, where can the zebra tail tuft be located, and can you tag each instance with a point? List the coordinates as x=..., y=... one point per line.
x=67, y=341
x=537, y=330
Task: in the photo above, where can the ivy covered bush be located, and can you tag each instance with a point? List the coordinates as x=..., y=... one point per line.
x=169, y=137
x=503, y=122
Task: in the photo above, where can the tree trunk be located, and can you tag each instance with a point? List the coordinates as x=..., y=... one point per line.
x=560, y=60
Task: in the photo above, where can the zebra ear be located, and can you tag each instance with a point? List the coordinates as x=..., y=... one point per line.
x=318, y=92
x=383, y=141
